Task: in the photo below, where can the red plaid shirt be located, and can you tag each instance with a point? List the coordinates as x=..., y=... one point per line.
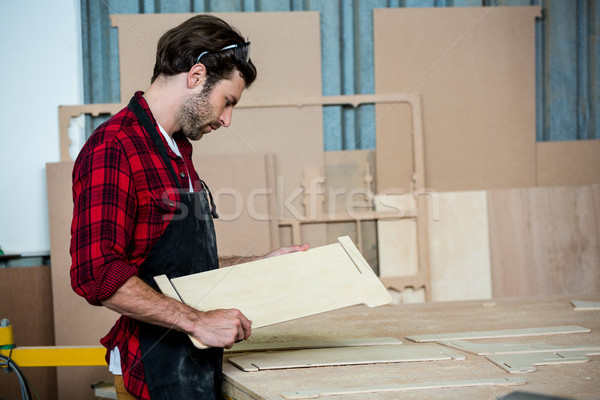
x=120, y=185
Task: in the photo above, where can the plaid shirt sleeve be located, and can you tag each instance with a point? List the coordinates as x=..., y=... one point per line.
x=103, y=221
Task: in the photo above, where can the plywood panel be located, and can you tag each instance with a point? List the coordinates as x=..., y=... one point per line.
x=500, y=333
x=475, y=70
x=397, y=239
x=523, y=363
x=27, y=303
x=277, y=56
x=239, y=186
x=568, y=163
x=315, y=393
x=544, y=241
x=75, y=321
x=484, y=349
x=343, y=356
x=459, y=247
x=283, y=288
x=248, y=346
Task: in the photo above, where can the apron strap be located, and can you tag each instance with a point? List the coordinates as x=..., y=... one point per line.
x=141, y=115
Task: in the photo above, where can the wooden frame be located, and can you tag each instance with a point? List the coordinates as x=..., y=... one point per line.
x=422, y=279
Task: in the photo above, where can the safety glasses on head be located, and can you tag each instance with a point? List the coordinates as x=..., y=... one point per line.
x=241, y=51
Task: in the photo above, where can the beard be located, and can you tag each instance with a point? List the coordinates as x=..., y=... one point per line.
x=196, y=114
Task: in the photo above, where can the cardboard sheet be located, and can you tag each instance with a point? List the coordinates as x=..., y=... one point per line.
x=477, y=81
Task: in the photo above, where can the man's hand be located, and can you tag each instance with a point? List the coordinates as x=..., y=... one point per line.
x=286, y=250
x=218, y=328
x=221, y=328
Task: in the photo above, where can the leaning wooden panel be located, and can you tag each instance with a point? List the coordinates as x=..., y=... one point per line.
x=238, y=183
x=544, y=241
x=575, y=162
x=478, y=111
x=287, y=287
x=277, y=56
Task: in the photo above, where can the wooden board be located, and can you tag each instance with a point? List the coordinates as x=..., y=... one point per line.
x=239, y=186
x=459, y=247
x=585, y=305
x=283, y=288
x=343, y=356
x=397, y=240
x=524, y=363
x=315, y=393
x=544, y=241
x=276, y=56
x=478, y=113
x=484, y=349
x=361, y=321
x=27, y=304
x=249, y=346
x=568, y=163
x=75, y=321
x=502, y=333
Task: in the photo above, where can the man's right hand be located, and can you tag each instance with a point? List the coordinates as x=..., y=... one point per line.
x=221, y=328
x=217, y=328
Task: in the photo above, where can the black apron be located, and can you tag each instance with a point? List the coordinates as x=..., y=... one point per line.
x=174, y=368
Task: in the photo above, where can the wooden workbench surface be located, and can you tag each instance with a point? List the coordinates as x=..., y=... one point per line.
x=578, y=381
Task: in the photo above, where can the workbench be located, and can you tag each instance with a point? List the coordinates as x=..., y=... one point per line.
x=577, y=381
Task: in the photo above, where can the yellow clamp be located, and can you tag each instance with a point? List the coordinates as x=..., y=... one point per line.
x=7, y=340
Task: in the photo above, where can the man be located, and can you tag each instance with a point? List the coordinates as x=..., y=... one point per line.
x=140, y=210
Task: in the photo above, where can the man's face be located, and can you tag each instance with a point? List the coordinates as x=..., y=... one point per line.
x=203, y=112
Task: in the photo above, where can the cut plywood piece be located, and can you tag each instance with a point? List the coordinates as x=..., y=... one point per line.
x=239, y=186
x=502, y=333
x=574, y=162
x=283, y=288
x=524, y=363
x=478, y=113
x=459, y=247
x=316, y=393
x=76, y=323
x=544, y=241
x=343, y=356
x=484, y=349
x=316, y=344
x=397, y=240
x=585, y=305
x=277, y=57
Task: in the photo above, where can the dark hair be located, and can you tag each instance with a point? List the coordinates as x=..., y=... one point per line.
x=179, y=48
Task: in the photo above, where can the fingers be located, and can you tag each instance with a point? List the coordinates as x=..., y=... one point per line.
x=222, y=328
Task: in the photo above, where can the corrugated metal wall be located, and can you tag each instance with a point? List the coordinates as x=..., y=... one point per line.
x=567, y=49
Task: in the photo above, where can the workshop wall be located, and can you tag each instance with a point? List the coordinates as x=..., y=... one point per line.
x=567, y=48
x=41, y=68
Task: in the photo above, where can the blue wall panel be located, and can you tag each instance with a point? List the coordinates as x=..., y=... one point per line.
x=567, y=65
